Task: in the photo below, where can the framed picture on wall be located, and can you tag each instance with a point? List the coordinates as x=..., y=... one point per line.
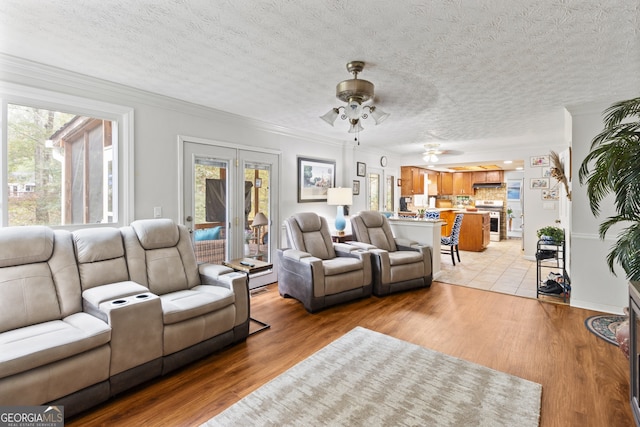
x=538, y=161
x=514, y=187
x=539, y=183
x=546, y=172
x=314, y=178
x=361, y=169
x=551, y=194
x=356, y=187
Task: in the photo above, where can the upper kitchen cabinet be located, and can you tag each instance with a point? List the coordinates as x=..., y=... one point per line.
x=412, y=181
x=492, y=177
x=445, y=183
x=462, y=183
x=433, y=180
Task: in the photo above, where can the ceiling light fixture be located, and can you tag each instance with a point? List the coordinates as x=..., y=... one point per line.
x=355, y=92
x=431, y=153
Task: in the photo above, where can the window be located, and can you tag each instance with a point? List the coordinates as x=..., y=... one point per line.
x=62, y=166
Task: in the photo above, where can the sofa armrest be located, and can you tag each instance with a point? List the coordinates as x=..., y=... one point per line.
x=92, y=298
x=406, y=244
x=238, y=283
x=305, y=268
x=362, y=245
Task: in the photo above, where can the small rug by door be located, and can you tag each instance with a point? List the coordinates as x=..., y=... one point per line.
x=371, y=379
x=604, y=326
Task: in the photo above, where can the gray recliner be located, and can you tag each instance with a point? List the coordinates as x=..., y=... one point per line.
x=318, y=272
x=398, y=264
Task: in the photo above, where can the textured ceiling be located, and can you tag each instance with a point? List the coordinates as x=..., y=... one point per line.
x=472, y=75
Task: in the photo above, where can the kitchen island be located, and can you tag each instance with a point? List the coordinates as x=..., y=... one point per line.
x=475, y=230
x=426, y=232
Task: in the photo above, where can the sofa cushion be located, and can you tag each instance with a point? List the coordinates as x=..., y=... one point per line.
x=25, y=245
x=156, y=233
x=186, y=304
x=27, y=296
x=38, y=345
x=207, y=234
x=98, y=244
x=165, y=271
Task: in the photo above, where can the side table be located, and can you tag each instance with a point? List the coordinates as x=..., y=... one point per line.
x=336, y=238
x=250, y=266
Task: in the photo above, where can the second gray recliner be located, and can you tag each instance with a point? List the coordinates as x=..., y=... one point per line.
x=398, y=264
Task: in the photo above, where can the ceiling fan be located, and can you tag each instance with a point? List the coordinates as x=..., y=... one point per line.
x=431, y=153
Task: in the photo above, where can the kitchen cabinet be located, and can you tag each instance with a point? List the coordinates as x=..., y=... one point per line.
x=482, y=177
x=433, y=178
x=462, y=183
x=475, y=232
x=412, y=181
x=445, y=183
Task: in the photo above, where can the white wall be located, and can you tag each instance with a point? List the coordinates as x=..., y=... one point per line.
x=160, y=120
x=593, y=286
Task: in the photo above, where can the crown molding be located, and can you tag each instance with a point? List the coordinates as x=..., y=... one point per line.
x=27, y=73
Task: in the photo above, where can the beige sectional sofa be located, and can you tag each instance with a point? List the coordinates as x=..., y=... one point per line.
x=85, y=315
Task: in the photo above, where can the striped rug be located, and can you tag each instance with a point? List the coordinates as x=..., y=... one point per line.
x=366, y=378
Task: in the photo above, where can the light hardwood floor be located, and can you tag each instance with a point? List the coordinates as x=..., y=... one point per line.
x=585, y=380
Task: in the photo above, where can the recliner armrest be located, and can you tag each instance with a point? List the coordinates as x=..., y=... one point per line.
x=295, y=254
x=362, y=245
x=405, y=243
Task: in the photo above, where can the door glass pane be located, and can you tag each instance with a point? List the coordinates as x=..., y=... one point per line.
x=374, y=191
x=257, y=186
x=210, y=210
x=389, y=195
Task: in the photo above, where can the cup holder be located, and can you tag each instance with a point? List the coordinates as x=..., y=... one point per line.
x=142, y=296
x=119, y=302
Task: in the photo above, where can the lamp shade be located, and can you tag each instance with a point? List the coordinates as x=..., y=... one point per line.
x=378, y=115
x=340, y=196
x=259, y=219
x=331, y=116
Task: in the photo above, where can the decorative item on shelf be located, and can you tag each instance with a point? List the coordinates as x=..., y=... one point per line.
x=551, y=235
x=355, y=92
x=340, y=197
x=420, y=214
x=557, y=171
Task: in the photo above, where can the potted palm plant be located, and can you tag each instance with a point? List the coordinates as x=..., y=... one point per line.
x=611, y=167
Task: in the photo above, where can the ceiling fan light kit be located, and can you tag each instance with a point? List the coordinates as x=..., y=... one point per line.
x=355, y=92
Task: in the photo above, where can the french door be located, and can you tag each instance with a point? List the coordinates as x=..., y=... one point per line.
x=230, y=201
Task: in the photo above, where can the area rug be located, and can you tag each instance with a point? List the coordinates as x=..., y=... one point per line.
x=604, y=326
x=368, y=378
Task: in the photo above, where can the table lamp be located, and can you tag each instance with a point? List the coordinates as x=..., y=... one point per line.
x=340, y=197
x=258, y=221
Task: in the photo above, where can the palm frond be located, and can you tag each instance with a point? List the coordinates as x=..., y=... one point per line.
x=620, y=111
x=612, y=167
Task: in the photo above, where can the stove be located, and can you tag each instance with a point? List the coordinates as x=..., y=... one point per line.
x=494, y=207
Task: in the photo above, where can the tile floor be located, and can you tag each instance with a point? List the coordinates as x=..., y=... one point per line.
x=499, y=268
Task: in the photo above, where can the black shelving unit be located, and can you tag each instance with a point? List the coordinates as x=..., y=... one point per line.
x=550, y=257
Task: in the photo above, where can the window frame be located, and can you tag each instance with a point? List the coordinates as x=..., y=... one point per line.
x=123, y=154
